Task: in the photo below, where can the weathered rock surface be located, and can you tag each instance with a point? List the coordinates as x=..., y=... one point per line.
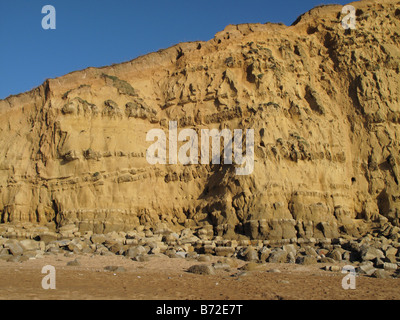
x=323, y=103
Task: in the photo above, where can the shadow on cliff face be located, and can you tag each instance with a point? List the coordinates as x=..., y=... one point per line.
x=389, y=207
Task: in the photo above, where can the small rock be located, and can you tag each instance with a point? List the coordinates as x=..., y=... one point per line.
x=39, y=256
x=48, y=237
x=173, y=255
x=133, y=252
x=348, y=256
x=265, y=253
x=71, y=228
x=332, y=268
x=290, y=248
x=283, y=281
x=209, y=249
x=390, y=266
x=278, y=256
x=251, y=266
x=75, y=245
x=240, y=274
x=74, y=263
x=274, y=271
x=233, y=263
x=148, y=234
x=322, y=252
x=369, y=253
x=192, y=255
x=202, y=269
x=4, y=252
x=31, y=254
x=391, y=251
x=61, y=243
x=390, y=258
x=18, y=259
x=68, y=254
x=310, y=251
x=107, y=253
x=306, y=260
x=98, y=238
x=14, y=248
x=380, y=274
x=5, y=257
x=378, y=263
x=221, y=266
x=53, y=250
x=114, y=268
x=291, y=258
x=155, y=250
x=143, y=258
x=204, y=258
x=170, y=237
x=117, y=248
x=327, y=260
x=29, y=245
x=251, y=255
x=366, y=269
x=224, y=251
x=336, y=255
x=181, y=254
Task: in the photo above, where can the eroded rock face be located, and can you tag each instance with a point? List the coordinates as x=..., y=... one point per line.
x=323, y=103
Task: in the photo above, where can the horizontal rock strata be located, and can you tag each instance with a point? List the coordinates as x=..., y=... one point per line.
x=323, y=103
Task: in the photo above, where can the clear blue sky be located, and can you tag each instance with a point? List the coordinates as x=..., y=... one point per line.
x=95, y=33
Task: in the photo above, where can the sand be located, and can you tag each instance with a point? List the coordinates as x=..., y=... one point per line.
x=163, y=278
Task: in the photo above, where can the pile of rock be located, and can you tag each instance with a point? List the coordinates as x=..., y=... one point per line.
x=369, y=254
x=19, y=251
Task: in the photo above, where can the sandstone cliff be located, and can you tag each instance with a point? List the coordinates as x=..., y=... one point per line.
x=323, y=103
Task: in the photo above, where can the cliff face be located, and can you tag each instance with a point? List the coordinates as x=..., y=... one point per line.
x=323, y=103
